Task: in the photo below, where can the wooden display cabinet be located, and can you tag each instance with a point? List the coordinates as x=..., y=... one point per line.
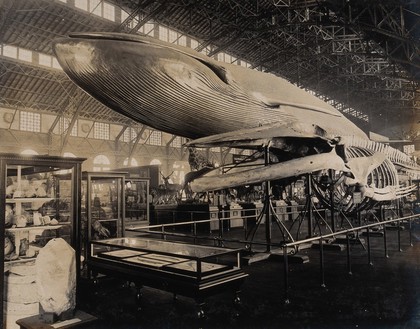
x=36, y=206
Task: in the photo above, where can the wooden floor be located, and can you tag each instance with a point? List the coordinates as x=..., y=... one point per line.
x=382, y=295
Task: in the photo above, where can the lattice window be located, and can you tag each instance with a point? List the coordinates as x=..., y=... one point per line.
x=101, y=130
x=126, y=135
x=155, y=138
x=45, y=60
x=194, y=43
x=163, y=33
x=25, y=55
x=129, y=134
x=148, y=28
x=64, y=126
x=81, y=4
x=109, y=11
x=177, y=142
x=95, y=7
x=10, y=51
x=30, y=121
x=55, y=64
x=182, y=41
x=124, y=15
x=206, y=50
x=173, y=36
x=133, y=22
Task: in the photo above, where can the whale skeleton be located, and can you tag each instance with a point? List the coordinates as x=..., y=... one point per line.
x=182, y=92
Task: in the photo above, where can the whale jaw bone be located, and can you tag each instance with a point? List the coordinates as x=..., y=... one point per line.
x=215, y=181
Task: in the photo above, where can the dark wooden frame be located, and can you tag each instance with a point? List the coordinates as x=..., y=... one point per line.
x=7, y=159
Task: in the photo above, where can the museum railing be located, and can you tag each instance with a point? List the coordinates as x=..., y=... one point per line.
x=349, y=236
x=372, y=223
x=226, y=225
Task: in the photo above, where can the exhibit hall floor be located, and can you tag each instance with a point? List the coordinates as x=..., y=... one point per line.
x=383, y=294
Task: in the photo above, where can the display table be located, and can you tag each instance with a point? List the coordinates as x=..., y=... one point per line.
x=190, y=270
x=36, y=322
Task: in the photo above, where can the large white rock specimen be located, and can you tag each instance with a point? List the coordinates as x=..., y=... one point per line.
x=56, y=277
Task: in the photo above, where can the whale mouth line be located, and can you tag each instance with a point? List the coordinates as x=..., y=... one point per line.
x=107, y=36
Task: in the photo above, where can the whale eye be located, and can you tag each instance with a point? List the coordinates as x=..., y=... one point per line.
x=273, y=106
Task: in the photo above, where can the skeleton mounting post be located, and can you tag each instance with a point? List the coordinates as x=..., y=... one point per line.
x=268, y=213
x=309, y=205
x=332, y=209
x=267, y=201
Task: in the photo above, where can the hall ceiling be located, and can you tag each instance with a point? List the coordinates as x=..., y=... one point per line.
x=363, y=56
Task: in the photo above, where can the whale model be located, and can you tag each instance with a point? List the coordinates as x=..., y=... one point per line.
x=182, y=92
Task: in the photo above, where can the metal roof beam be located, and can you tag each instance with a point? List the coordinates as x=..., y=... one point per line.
x=136, y=142
x=159, y=9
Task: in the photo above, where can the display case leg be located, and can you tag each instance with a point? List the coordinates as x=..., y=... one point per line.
x=95, y=283
x=200, y=310
x=238, y=304
x=139, y=297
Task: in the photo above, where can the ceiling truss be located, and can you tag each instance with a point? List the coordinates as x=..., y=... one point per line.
x=362, y=57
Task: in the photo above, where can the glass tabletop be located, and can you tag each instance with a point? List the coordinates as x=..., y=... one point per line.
x=176, y=248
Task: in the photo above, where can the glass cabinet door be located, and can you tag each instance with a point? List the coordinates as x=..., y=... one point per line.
x=102, y=207
x=136, y=201
x=38, y=208
x=106, y=207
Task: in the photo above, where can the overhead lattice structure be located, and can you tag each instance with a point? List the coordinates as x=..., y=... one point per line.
x=362, y=57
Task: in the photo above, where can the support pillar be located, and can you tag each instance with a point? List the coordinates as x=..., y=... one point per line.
x=309, y=205
x=267, y=202
x=332, y=209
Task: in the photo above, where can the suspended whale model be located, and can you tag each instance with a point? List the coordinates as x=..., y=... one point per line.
x=182, y=92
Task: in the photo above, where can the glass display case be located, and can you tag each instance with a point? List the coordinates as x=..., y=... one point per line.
x=103, y=204
x=37, y=206
x=136, y=201
x=194, y=271
x=196, y=261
